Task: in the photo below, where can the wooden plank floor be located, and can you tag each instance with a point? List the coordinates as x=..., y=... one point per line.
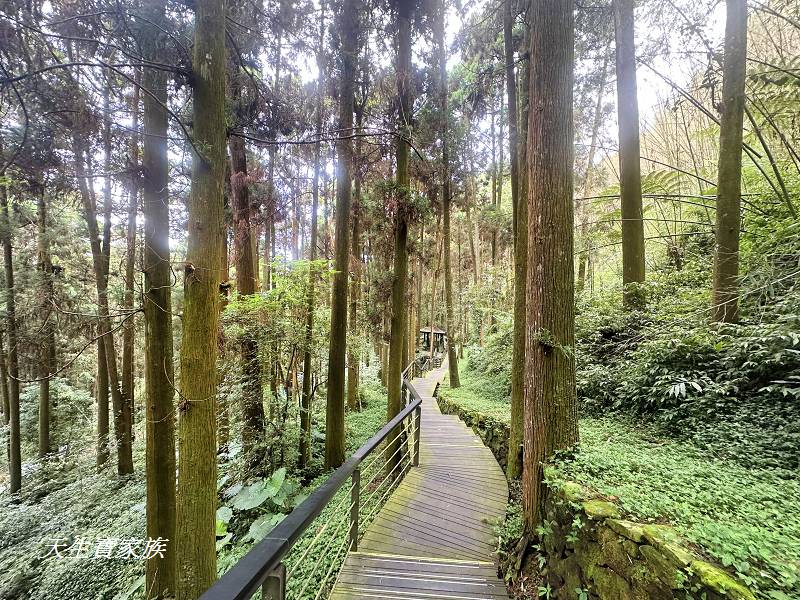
x=434, y=537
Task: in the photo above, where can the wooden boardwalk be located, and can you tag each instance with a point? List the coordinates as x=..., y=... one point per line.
x=434, y=537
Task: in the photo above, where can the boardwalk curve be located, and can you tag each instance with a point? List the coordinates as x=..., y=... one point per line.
x=434, y=536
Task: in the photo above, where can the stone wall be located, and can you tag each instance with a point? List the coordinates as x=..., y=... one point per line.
x=594, y=553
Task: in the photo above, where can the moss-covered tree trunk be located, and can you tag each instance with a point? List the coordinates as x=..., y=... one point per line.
x=729, y=177
x=353, y=355
x=305, y=398
x=101, y=398
x=630, y=178
x=157, y=306
x=334, y=415
x=14, y=448
x=404, y=10
x=550, y=405
x=520, y=220
x=197, y=467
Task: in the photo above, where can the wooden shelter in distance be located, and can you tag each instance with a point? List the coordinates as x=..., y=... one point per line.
x=439, y=338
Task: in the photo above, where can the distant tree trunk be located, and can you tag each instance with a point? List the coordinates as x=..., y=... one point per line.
x=353, y=357
x=121, y=432
x=520, y=208
x=47, y=331
x=550, y=404
x=334, y=415
x=583, y=257
x=630, y=178
x=14, y=452
x=450, y=320
x=729, y=178
x=4, y=380
x=129, y=328
x=102, y=405
x=157, y=305
x=197, y=427
x=398, y=323
x=252, y=395
x=305, y=399
x=271, y=206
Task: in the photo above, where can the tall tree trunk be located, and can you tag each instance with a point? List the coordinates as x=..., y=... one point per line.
x=272, y=202
x=334, y=415
x=550, y=405
x=47, y=332
x=197, y=482
x=129, y=328
x=253, y=398
x=121, y=433
x=450, y=320
x=630, y=178
x=729, y=178
x=157, y=304
x=4, y=392
x=583, y=257
x=353, y=355
x=398, y=322
x=102, y=405
x=520, y=208
x=305, y=399
x=14, y=451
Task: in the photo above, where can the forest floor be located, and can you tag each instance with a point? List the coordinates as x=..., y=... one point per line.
x=67, y=500
x=746, y=519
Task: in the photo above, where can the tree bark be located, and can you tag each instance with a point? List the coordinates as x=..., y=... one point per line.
x=129, y=328
x=122, y=433
x=305, y=399
x=157, y=305
x=252, y=395
x=197, y=483
x=729, y=178
x=102, y=405
x=583, y=257
x=450, y=321
x=47, y=331
x=550, y=403
x=334, y=415
x=520, y=207
x=14, y=451
x=398, y=321
x=630, y=178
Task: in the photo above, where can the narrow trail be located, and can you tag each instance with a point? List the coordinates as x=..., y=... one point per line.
x=434, y=537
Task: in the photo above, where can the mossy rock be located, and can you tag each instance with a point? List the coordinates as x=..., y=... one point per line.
x=614, y=554
x=629, y=529
x=609, y=585
x=662, y=567
x=572, y=492
x=600, y=509
x=720, y=581
x=659, y=535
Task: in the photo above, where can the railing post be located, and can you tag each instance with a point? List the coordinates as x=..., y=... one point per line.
x=354, y=500
x=274, y=587
x=418, y=422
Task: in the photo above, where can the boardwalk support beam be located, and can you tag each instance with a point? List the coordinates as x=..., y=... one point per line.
x=417, y=425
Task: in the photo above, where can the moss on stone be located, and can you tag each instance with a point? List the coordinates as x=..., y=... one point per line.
x=662, y=567
x=629, y=529
x=610, y=586
x=600, y=509
x=573, y=492
x=659, y=535
x=719, y=581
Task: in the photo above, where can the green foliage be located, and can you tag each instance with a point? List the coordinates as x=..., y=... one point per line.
x=746, y=519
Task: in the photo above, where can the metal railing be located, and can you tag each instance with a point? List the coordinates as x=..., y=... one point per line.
x=296, y=559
